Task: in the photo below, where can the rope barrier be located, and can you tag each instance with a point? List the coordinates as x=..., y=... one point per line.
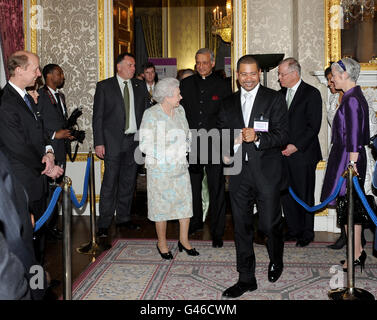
x=41, y=221
x=324, y=203
x=363, y=199
x=85, y=190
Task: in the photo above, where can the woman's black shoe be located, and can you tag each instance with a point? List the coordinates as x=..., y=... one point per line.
x=166, y=256
x=339, y=244
x=190, y=252
x=358, y=262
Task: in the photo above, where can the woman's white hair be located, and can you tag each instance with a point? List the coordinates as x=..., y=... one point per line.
x=351, y=66
x=165, y=88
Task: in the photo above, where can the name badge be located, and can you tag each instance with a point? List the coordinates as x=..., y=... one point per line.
x=261, y=124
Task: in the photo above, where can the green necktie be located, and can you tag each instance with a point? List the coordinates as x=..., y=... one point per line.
x=126, y=98
x=289, y=97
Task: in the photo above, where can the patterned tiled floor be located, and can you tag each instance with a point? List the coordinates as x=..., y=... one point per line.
x=133, y=270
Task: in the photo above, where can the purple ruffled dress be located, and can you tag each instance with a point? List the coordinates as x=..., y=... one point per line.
x=350, y=133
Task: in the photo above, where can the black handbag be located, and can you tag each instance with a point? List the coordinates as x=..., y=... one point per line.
x=360, y=214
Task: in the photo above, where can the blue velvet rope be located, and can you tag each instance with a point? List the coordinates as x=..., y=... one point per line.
x=42, y=220
x=364, y=200
x=56, y=195
x=85, y=191
x=324, y=203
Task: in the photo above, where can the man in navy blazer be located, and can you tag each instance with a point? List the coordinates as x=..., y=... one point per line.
x=23, y=138
x=262, y=115
x=119, y=104
x=303, y=151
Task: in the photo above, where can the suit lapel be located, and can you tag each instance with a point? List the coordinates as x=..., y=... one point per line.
x=21, y=101
x=137, y=105
x=297, y=96
x=117, y=92
x=238, y=109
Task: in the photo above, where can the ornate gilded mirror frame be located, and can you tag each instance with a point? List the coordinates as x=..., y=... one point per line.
x=333, y=45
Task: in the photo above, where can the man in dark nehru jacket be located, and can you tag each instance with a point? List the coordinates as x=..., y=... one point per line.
x=202, y=93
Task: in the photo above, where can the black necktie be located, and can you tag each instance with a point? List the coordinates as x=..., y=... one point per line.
x=60, y=105
x=126, y=97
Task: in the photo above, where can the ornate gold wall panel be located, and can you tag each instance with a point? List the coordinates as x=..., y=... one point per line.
x=33, y=18
x=332, y=31
x=244, y=27
x=101, y=39
x=333, y=41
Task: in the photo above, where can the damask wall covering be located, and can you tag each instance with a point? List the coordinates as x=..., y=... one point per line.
x=295, y=28
x=70, y=32
x=69, y=38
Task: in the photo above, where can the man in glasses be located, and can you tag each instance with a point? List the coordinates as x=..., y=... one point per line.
x=303, y=152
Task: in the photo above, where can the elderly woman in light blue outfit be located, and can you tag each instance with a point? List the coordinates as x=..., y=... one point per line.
x=165, y=140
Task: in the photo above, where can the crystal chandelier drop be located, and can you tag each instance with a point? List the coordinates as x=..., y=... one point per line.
x=353, y=9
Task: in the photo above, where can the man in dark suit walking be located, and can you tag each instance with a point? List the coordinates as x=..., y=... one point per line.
x=119, y=104
x=202, y=94
x=23, y=137
x=52, y=106
x=262, y=115
x=303, y=152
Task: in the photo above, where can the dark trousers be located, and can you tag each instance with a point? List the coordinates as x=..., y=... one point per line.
x=267, y=199
x=216, y=188
x=301, y=178
x=38, y=208
x=118, y=185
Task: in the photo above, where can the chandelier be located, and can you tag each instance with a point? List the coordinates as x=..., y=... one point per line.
x=222, y=25
x=357, y=8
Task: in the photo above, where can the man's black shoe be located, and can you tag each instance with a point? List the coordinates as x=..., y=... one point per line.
x=102, y=232
x=303, y=242
x=54, y=234
x=217, y=243
x=339, y=244
x=194, y=228
x=274, y=271
x=239, y=289
x=129, y=225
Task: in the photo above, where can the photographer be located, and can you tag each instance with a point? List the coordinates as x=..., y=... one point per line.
x=51, y=104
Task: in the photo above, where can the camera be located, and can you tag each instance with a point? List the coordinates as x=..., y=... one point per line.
x=79, y=135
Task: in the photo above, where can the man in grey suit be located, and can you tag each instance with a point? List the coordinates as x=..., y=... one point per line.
x=119, y=104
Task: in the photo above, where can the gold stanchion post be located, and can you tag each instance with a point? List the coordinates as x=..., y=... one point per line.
x=92, y=248
x=350, y=293
x=67, y=246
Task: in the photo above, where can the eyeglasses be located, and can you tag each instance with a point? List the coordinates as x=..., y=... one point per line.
x=340, y=62
x=284, y=74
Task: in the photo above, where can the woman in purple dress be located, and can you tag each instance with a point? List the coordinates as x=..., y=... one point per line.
x=350, y=133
